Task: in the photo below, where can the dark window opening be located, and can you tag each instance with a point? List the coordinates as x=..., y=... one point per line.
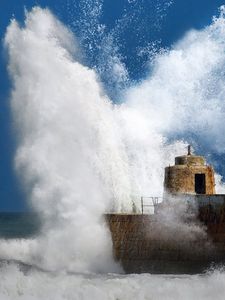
x=200, y=187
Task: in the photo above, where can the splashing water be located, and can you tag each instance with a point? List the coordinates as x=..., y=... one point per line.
x=76, y=287
x=69, y=152
x=80, y=155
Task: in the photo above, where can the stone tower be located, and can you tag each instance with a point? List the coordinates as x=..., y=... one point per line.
x=189, y=175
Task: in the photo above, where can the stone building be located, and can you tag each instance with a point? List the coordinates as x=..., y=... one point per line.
x=189, y=175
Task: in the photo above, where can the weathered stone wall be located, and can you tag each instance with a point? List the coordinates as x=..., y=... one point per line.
x=181, y=178
x=212, y=215
x=144, y=244
x=190, y=160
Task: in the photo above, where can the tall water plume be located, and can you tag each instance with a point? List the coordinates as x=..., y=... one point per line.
x=69, y=153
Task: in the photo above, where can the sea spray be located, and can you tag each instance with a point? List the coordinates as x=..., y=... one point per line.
x=183, y=97
x=36, y=285
x=69, y=152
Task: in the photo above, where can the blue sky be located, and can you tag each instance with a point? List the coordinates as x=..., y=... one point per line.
x=134, y=24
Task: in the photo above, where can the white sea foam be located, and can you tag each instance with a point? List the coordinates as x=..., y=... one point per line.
x=79, y=155
x=34, y=284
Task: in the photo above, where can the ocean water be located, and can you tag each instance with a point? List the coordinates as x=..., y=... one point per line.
x=19, y=225
x=19, y=280
x=35, y=284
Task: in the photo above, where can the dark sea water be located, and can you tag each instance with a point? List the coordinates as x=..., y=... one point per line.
x=19, y=225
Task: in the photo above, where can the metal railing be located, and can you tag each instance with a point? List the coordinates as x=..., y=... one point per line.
x=154, y=201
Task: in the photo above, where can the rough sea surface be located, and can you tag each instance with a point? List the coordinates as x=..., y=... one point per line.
x=25, y=281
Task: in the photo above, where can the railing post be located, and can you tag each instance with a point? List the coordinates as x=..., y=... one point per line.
x=155, y=202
